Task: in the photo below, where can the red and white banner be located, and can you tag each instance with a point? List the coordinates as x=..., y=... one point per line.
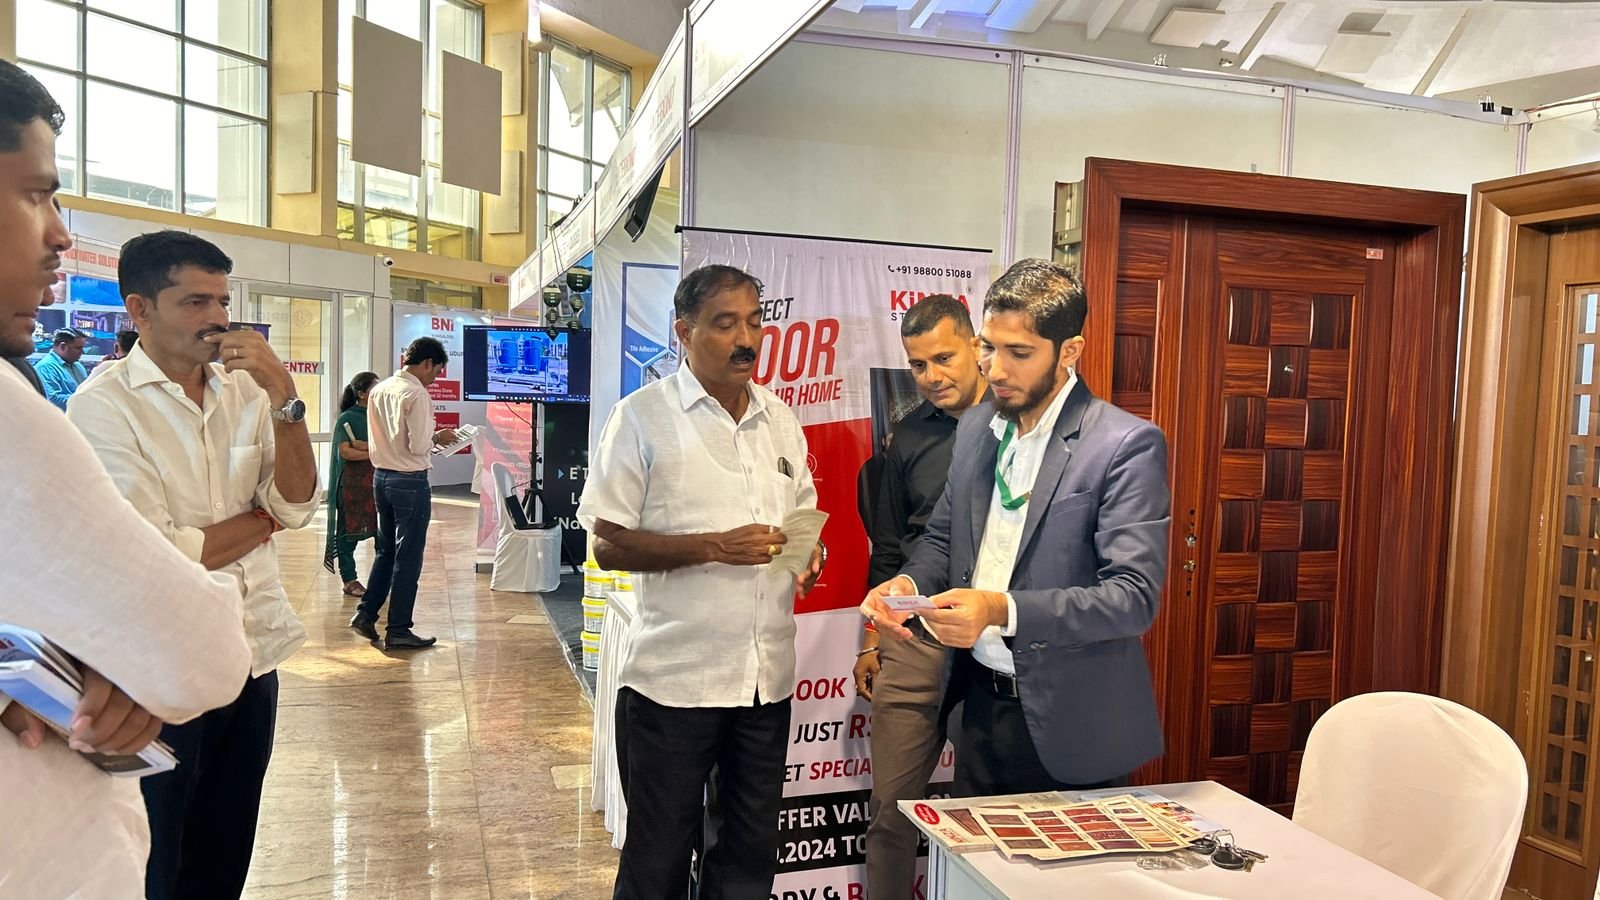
x=831, y=350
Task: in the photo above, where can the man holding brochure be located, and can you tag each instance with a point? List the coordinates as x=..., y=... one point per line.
x=157, y=639
x=700, y=485
x=1045, y=558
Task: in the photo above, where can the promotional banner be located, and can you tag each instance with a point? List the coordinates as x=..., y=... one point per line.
x=831, y=350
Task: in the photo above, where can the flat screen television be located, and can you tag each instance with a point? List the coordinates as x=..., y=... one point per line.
x=525, y=364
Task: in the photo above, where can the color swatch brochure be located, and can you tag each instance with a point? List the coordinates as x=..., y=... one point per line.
x=1052, y=826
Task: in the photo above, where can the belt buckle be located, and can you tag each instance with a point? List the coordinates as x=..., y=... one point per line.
x=1005, y=685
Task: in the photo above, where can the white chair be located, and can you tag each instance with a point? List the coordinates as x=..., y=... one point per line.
x=1424, y=787
x=527, y=556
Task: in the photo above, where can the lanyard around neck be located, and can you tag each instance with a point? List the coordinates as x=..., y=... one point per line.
x=1007, y=501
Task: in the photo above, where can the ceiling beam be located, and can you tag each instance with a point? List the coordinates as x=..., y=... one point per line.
x=1101, y=17
x=1251, y=51
x=1022, y=15
x=1443, y=56
x=922, y=11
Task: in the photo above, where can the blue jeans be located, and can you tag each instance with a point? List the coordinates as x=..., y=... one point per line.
x=405, y=505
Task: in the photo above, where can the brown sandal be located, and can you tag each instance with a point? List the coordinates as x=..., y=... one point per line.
x=354, y=589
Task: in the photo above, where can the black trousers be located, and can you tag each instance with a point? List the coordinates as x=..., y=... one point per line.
x=994, y=751
x=668, y=758
x=203, y=813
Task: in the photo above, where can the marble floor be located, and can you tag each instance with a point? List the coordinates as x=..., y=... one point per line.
x=461, y=771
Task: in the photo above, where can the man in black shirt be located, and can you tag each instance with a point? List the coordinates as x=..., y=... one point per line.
x=903, y=678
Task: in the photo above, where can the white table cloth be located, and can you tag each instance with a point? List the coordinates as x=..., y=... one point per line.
x=1301, y=865
x=615, y=636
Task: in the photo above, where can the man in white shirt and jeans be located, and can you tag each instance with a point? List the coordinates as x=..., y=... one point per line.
x=202, y=431
x=401, y=438
x=691, y=478
x=158, y=638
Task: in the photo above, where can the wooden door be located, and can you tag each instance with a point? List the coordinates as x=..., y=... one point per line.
x=1555, y=670
x=1293, y=360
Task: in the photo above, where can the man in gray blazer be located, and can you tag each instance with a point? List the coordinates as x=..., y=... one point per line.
x=1044, y=559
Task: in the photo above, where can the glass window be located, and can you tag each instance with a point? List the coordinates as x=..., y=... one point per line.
x=155, y=13
x=132, y=150
x=235, y=24
x=65, y=89
x=46, y=32
x=567, y=102
x=387, y=208
x=224, y=80
x=223, y=159
x=610, y=111
x=121, y=52
x=400, y=16
x=585, y=103
x=157, y=114
x=565, y=175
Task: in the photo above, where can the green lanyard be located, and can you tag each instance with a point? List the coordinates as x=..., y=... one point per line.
x=1006, y=500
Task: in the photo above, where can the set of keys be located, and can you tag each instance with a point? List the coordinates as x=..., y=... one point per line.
x=1225, y=854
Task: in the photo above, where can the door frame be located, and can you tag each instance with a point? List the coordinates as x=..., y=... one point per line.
x=1504, y=332
x=1491, y=627
x=1426, y=228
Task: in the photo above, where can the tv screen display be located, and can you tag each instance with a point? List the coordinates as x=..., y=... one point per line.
x=525, y=363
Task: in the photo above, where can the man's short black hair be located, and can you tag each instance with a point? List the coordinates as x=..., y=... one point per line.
x=1050, y=295
x=67, y=336
x=426, y=349
x=927, y=313
x=126, y=340
x=148, y=261
x=23, y=99
x=706, y=282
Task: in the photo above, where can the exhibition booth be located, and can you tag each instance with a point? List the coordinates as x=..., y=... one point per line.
x=854, y=173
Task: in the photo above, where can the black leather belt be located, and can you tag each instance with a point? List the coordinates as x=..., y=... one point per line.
x=1002, y=684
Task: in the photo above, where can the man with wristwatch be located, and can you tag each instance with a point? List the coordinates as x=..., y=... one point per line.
x=202, y=430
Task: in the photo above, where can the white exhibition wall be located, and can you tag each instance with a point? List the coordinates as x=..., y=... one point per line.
x=1336, y=139
x=908, y=143
x=1071, y=111
x=1561, y=137
x=839, y=142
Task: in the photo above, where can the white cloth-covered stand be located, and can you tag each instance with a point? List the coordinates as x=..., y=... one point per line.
x=527, y=559
x=616, y=635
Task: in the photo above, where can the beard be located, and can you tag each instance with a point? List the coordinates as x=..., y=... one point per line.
x=1033, y=397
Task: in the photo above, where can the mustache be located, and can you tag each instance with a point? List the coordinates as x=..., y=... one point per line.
x=743, y=355
x=204, y=333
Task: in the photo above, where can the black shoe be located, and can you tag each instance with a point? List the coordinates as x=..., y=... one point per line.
x=367, y=628
x=406, y=640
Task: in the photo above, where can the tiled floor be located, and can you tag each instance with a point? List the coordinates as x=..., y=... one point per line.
x=460, y=771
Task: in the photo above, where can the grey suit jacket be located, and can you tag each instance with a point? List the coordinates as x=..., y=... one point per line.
x=1087, y=580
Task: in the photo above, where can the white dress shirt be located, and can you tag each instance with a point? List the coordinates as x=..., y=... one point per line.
x=400, y=424
x=96, y=579
x=672, y=461
x=187, y=468
x=1002, y=534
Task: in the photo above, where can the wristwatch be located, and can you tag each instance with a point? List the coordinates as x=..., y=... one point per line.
x=292, y=411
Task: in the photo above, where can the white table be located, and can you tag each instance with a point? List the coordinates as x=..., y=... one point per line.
x=1301, y=865
x=616, y=635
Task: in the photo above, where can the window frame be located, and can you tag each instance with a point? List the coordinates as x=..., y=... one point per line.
x=82, y=78
x=421, y=219
x=542, y=149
